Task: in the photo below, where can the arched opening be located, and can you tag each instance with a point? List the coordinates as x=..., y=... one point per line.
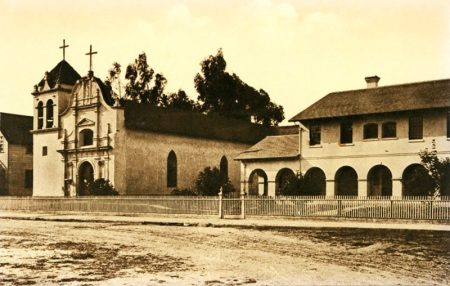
x=315, y=182
x=379, y=181
x=224, y=168
x=346, y=182
x=86, y=137
x=258, y=183
x=85, y=178
x=40, y=115
x=416, y=181
x=284, y=176
x=49, y=107
x=172, y=170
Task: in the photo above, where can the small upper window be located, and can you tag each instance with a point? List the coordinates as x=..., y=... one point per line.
x=86, y=137
x=415, y=127
x=389, y=130
x=314, y=134
x=346, y=132
x=44, y=151
x=371, y=131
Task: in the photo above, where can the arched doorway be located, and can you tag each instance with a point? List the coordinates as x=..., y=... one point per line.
x=379, y=181
x=282, y=179
x=257, y=184
x=315, y=184
x=224, y=168
x=416, y=181
x=346, y=182
x=85, y=178
x=172, y=167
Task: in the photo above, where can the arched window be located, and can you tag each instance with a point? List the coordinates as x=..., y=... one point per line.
x=224, y=168
x=172, y=170
x=379, y=181
x=86, y=137
x=346, y=182
x=315, y=183
x=389, y=130
x=40, y=115
x=371, y=131
x=49, y=121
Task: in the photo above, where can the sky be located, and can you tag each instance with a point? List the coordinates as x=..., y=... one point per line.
x=297, y=51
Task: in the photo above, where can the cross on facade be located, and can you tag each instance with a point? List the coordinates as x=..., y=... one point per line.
x=90, y=57
x=63, y=47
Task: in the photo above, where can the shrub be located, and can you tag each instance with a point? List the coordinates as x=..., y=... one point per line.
x=102, y=187
x=183, y=192
x=210, y=180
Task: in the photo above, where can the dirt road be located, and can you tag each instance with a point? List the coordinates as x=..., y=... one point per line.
x=74, y=253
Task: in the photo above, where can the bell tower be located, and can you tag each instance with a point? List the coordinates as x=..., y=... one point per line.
x=51, y=97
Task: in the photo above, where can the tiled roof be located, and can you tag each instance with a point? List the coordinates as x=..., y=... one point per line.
x=16, y=128
x=63, y=73
x=281, y=146
x=394, y=98
x=188, y=123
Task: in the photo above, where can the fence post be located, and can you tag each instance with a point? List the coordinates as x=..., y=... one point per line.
x=242, y=197
x=339, y=208
x=431, y=209
x=220, y=203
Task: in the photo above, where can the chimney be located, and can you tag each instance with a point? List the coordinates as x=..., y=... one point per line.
x=372, y=81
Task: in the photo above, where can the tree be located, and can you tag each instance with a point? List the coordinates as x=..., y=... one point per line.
x=438, y=169
x=179, y=100
x=210, y=180
x=102, y=187
x=228, y=95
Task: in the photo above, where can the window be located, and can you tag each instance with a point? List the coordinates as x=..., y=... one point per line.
x=28, y=178
x=415, y=127
x=40, y=115
x=44, y=151
x=172, y=170
x=389, y=130
x=2, y=148
x=371, y=131
x=86, y=137
x=314, y=134
x=49, y=121
x=448, y=124
x=346, y=132
x=224, y=168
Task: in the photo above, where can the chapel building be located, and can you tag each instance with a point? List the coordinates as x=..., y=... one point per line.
x=81, y=135
x=363, y=142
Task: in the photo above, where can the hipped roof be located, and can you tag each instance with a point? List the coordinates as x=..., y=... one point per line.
x=394, y=98
x=16, y=128
x=271, y=147
x=62, y=73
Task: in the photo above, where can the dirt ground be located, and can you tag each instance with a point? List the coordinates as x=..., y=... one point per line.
x=74, y=253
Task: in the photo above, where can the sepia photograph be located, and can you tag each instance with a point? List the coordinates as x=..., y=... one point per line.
x=224, y=142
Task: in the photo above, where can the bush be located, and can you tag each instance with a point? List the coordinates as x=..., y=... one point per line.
x=102, y=187
x=210, y=180
x=299, y=185
x=183, y=192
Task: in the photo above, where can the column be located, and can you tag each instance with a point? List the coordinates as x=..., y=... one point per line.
x=362, y=188
x=329, y=189
x=397, y=187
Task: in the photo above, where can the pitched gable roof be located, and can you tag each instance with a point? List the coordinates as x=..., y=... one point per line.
x=16, y=128
x=394, y=98
x=188, y=123
x=281, y=146
x=62, y=73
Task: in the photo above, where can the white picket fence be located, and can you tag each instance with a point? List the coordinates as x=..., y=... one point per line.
x=421, y=208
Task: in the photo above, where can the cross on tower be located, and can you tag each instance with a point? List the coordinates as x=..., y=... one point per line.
x=90, y=57
x=63, y=47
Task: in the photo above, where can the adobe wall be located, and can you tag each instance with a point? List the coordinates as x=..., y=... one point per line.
x=146, y=160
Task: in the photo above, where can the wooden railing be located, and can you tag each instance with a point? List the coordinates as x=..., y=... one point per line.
x=423, y=208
